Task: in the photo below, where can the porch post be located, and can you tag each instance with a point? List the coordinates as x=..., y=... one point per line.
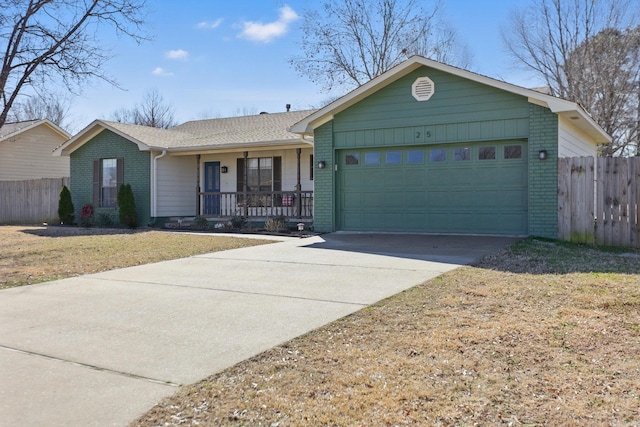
x=299, y=186
x=244, y=184
x=198, y=184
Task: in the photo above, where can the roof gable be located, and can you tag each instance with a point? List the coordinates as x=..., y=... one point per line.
x=10, y=130
x=559, y=106
x=261, y=129
x=454, y=100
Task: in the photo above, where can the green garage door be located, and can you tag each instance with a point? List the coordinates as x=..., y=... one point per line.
x=476, y=188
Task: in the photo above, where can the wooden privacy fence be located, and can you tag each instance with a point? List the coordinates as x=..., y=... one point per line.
x=599, y=200
x=30, y=202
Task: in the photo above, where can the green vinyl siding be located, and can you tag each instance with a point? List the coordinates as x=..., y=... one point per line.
x=449, y=196
x=459, y=111
x=108, y=145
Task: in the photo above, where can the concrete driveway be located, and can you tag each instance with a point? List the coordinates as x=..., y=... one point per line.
x=101, y=349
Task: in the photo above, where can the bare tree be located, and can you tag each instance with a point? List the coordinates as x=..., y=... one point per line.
x=245, y=111
x=587, y=51
x=52, y=107
x=46, y=41
x=349, y=42
x=153, y=111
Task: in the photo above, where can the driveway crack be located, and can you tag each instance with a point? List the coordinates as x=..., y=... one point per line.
x=87, y=365
x=233, y=291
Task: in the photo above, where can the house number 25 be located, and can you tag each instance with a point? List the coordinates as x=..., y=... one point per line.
x=427, y=134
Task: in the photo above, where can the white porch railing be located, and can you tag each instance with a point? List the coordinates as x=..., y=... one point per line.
x=257, y=204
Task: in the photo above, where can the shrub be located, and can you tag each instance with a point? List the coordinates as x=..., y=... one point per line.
x=105, y=220
x=238, y=221
x=65, y=206
x=127, y=206
x=200, y=223
x=276, y=224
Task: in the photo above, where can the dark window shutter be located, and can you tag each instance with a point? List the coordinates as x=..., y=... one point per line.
x=240, y=175
x=120, y=172
x=311, y=167
x=277, y=174
x=96, y=182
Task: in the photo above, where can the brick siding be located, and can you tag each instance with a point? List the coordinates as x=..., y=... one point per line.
x=108, y=145
x=543, y=174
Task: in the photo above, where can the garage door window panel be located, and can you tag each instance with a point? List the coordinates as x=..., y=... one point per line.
x=512, y=152
x=415, y=156
x=487, y=153
x=462, y=154
x=372, y=158
x=393, y=157
x=352, y=159
x=438, y=155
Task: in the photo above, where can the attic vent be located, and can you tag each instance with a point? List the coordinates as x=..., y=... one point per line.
x=423, y=89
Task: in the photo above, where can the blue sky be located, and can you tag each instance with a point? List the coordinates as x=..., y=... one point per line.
x=222, y=58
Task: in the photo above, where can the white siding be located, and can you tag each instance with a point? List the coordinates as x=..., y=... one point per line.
x=176, y=192
x=573, y=142
x=28, y=156
x=289, y=168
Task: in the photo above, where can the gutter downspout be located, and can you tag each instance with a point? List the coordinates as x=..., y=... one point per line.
x=154, y=185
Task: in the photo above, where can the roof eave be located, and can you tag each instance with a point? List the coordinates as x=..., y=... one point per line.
x=57, y=129
x=578, y=116
x=89, y=132
x=556, y=105
x=243, y=146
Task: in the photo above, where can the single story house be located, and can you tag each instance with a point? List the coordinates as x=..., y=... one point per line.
x=25, y=151
x=427, y=147
x=249, y=166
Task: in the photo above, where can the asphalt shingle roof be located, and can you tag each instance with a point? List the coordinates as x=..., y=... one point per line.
x=261, y=128
x=11, y=128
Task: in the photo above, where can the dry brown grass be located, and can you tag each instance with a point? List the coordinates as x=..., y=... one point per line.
x=38, y=254
x=539, y=334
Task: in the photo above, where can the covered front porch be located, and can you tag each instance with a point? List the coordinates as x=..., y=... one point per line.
x=268, y=184
x=255, y=185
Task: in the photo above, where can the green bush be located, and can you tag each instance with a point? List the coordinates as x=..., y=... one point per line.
x=238, y=222
x=127, y=206
x=200, y=223
x=105, y=220
x=65, y=206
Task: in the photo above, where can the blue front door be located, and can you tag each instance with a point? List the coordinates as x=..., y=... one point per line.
x=212, y=185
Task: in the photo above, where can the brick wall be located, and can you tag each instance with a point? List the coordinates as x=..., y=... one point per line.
x=108, y=145
x=543, y=174
x=323, y=179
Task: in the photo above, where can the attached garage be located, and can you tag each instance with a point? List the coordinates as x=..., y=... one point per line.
x=460, y=188
x=430, y=148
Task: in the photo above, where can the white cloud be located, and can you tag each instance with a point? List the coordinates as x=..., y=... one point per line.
x=209, y=25
x=266, y=33
x=176, y=54
x=159, y=71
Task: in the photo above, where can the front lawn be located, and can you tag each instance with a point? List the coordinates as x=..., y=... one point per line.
x=38, y=254
x=538, y=334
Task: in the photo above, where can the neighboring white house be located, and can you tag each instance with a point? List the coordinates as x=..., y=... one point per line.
x=25, y=151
